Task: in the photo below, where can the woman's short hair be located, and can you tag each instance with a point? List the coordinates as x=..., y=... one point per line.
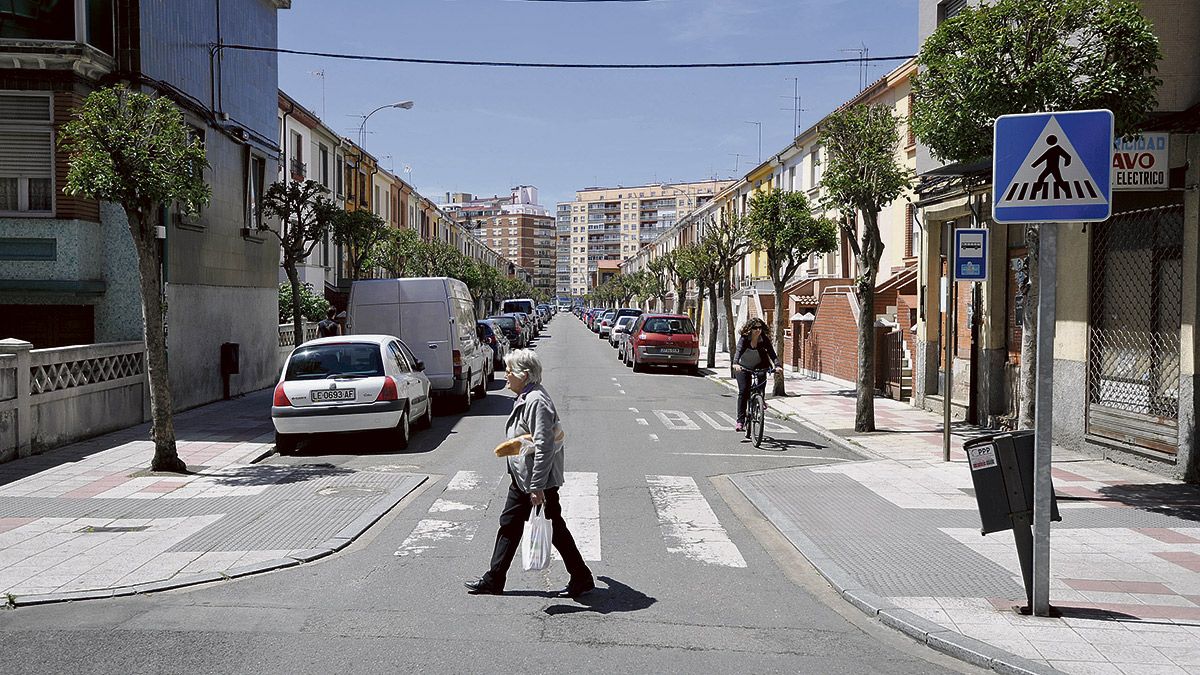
x=753, y=323
x=524, y=363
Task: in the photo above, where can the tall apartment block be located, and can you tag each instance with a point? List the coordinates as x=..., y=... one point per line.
x=613, y=223
x=515, y=226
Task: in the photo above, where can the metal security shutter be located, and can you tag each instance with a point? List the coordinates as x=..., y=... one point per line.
x=1134, y=331
x=17, y=108
x=25, y=145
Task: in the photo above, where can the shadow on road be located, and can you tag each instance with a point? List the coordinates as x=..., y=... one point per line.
x=783, y=445
x=272, y=474
x=617, y=597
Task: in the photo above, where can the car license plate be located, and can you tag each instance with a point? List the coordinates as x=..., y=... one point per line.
x=670, y=350
x=320, y=395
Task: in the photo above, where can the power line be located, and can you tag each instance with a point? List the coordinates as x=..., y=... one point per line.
x=591, y=66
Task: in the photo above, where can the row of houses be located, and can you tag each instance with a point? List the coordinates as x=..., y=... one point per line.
x=1126, y=344
x=68, y=272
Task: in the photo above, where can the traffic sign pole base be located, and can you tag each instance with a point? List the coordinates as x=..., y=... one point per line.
x=1026, y=610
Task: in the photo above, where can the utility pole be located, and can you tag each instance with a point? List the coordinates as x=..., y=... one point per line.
x=759, y=125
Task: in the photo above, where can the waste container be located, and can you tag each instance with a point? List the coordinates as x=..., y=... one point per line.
x=1002, y=473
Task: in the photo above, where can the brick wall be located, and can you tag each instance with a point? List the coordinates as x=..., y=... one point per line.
x=832, y=346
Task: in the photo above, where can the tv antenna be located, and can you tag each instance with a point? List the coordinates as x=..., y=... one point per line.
x=863, y=54
x=796, y=109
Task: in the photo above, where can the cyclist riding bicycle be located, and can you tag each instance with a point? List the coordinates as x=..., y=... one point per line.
x=754, y=352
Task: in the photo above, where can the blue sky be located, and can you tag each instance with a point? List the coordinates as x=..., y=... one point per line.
x=483, y=130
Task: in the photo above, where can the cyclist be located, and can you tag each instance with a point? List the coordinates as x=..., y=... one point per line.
x=754, y=352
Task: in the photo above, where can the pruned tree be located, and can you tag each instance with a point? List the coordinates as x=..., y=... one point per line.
x=709, y=272
x=1022, y=56
x=135, y=150
x=681, y=264
x=658, y=279
x=361, y=234
x=730, y=241
x=860, y=178
x=783, y=225
x=301, y=217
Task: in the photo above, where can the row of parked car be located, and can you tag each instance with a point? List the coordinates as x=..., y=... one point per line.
x=645, y=339
x=408, y=342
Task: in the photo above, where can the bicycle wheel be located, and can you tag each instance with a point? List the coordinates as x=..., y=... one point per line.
x=760, y=412
x=751, y=415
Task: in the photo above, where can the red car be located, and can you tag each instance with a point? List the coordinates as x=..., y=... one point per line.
x=664, y=340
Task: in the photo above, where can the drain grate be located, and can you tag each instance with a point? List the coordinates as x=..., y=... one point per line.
x=103, y=529
x=351, y=491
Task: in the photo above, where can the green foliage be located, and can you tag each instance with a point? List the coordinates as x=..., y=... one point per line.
x=312, y=306
x=304, y=216
x=1021, y=56
x=134, y=149
x=361, y=234
x=783, y=224
x=861, y=172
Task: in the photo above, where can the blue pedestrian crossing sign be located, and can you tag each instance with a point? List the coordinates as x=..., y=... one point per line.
x=970, y=254
x=1053, y=167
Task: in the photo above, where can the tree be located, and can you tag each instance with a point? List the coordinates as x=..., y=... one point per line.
x=709, y=272
x=1021, y=56
x=398, y=250
x=861, y=177
x=361, y=234
x=656, y=283
x=304, y=216
x=729, y=239
x=783, y=225
x=134, y=149
x=681, y=264
x=312, y=306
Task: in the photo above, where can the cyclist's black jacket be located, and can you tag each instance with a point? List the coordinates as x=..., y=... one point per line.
x=766, y=353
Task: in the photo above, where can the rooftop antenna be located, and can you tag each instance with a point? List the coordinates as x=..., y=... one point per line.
x=321, y=74
x=737, y=162
x=796, y=109
x=863, y=53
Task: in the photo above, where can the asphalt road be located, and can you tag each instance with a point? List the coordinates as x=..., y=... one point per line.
x=690, y=576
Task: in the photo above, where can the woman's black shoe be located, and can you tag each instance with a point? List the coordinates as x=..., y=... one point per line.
x=577, y=588
x=481, y=587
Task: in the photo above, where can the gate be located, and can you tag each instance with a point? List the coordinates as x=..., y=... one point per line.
x=1134, y=328
x=889, y=362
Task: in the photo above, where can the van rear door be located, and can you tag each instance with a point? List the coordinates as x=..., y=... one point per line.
x=427, y=334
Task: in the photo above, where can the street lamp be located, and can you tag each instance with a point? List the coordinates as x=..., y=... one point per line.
x=362, y=128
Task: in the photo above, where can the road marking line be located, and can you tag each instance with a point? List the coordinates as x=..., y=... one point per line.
x=614, y=379
x=742, y=454
x=633, y=410
x=715, y=424
x=430, y=532
x=676, y=420
x=688, y=523
x=642, y=421
x=466, y=480
x=443, y=505
x=654, y=437
x=580, y=498
x=770, y=425
x=622, y=391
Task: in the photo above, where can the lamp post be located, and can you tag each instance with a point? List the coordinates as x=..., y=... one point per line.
x=362, y=128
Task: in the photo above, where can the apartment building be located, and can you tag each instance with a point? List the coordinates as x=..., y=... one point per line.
x=615, y=223
x=69, y=273
x=516, y=226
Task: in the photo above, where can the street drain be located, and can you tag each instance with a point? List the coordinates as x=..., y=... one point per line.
x=101, y=529
x=351, y=491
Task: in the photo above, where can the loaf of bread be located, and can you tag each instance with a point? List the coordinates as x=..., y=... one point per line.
x=511, y=447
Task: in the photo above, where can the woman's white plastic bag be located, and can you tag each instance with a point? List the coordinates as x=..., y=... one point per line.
x=535, y=543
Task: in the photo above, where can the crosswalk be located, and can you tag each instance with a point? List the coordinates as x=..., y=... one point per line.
x=689, y=527
x=680, y=420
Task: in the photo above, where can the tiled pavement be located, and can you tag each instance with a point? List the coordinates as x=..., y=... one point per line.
x=898, y=535
x=90, y=520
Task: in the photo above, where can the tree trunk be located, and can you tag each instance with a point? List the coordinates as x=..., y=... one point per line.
x=297, y=322
x=864, y=409
x=777, y=334
x=162, y=427
x=680, y=296
x=714, y=325
x=1029, y=329
x=730, y=329
x=699, y=305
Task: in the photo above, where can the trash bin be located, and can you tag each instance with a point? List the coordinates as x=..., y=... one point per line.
x=1002, y=473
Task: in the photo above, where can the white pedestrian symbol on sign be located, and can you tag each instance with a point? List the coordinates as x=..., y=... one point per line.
x=1052, y=175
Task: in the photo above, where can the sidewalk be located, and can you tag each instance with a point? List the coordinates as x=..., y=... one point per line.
x=89, y=520
x=898, y=536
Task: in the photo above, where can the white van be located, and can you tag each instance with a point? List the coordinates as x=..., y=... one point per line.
x=435, y=317
x=526, y=305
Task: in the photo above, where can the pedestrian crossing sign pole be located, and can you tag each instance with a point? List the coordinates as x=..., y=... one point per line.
x=1049, y=168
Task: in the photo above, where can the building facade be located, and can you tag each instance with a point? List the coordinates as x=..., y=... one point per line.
x=69, y=274
x=615, y=223
x=516, y=226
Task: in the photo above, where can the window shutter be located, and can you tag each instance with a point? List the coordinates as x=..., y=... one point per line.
x=25, y=153
x=17, y=109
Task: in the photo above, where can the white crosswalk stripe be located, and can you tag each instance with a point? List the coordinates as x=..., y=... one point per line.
x=678, y=420
x=467, y=491
x=688, y=523
x=580, y=498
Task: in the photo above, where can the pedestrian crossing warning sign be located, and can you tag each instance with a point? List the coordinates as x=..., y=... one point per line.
x=1053, y=167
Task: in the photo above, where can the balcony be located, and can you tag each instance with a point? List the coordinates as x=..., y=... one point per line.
x=299, y=169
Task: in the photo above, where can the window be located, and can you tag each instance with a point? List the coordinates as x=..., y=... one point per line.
x=26, y=154
x=181, y=217
x=947, y=9
x=323, y=158
x=256, y=169
x=814, y=168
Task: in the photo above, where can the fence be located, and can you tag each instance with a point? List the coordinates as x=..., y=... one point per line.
x=51, y=397
x=287, y=340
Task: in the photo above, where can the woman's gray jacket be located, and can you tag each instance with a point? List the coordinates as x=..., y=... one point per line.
x=534, y=414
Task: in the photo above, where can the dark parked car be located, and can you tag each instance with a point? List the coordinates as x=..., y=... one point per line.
x=510, y=325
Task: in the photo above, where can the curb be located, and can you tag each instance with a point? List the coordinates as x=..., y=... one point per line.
x=929, y=633
x=328, y=547
x=830, y=437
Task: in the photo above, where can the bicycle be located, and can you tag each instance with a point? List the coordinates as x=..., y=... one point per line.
x=756, y=406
